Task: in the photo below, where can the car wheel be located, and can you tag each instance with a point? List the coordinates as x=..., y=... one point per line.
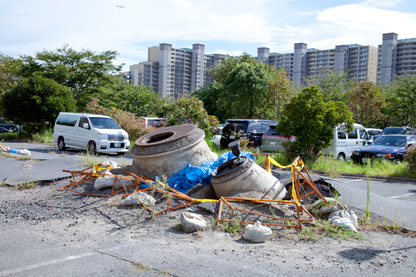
x=61, y=144
x=92, y=148
x=341, y=157
x=397, y=160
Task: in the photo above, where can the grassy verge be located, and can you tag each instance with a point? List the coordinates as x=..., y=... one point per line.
x=376, y=168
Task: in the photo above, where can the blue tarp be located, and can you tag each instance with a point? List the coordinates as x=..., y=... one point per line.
x=190, y=176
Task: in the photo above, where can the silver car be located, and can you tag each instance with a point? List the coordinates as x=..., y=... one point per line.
x=272, y=139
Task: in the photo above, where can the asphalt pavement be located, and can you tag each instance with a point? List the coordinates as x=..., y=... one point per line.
x=47, y=163
x=393, y=200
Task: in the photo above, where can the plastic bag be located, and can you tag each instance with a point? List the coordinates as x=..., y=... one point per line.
x=139, y=198
x=257, y=232
x=192, y=222
x=191, y=176
x=24, y=152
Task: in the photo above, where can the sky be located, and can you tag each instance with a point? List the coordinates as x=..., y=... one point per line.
x=224, y=26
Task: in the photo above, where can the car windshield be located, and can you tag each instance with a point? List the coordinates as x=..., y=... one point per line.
x=258, y=126
x=233, y=127
x=104, y=123
x=390, y=141
x=391, y=131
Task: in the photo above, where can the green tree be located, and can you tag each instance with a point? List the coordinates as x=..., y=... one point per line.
x=228, y=64
x=281, y=90
x=365, y=102
x=188, y=111
x=118, y=94
x=9, y=72
x=312, y=121
x=209, y=96
x=245, y=92
x=334, y=85
x=83, y=72
x=36, y=101
x=401, y=102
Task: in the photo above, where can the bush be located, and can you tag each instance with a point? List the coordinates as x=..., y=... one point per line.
x=36, y=101
x=410, y=157
x=127, y=120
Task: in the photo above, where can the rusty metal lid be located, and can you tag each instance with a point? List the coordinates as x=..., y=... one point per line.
x=167, y=139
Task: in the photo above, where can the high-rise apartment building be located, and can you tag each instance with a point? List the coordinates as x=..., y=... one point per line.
x=176, y=72
x=396, y=57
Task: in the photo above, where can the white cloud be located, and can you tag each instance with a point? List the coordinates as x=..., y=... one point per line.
x=382, y=3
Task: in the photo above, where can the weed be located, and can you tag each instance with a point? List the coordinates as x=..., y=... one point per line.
x=323, y=228
x=52, y=153
x=233, y=226
x=90, y=160
x=179, y=227
x=45, y=136
x=27, y=185
x=367, y=208
x=17, y=156
x=141, y=267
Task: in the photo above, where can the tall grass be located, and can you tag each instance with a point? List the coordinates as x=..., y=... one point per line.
x=375, y=168
x=44, y=136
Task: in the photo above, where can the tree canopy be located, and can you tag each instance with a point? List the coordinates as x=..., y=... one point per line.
x=36, y=101
x=312, y=121
x=82, y=72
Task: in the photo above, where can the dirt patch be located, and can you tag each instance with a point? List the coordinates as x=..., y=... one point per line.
x=62, y=211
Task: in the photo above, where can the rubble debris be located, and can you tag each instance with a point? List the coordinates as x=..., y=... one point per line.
x=207, y=207
x=191, y=176
x=168, y=150
x=257, y=232
x=139, y=198
x=192, y=222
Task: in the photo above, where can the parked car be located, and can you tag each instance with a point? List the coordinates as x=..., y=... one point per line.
x=390, y=147
x=153, y=121
x=344, y=143
x=373, y=131
x=92, y=132
x=396, y=130
x=252, y=129
x=7, y=126
x=272, y=139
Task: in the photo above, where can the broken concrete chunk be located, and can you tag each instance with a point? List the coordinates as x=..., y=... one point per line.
x=257, y=232
x=207, y=206
x=192, y=222
x=139, y=198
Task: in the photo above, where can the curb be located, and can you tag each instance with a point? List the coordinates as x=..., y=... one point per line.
x=373, y=177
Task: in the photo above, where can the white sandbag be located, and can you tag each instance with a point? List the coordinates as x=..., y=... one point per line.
x=104, y=181
x=344, y=219
x=122, y=183
x=192, y=222
x=112, y=164
x=257, y=232
x=23, y=152
x=139, y=198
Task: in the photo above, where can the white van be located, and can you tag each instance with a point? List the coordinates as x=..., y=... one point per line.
x=93, y=132
x=343, y=143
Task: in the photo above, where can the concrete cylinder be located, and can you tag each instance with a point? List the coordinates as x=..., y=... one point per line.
x=244, y=175
x=168, y=150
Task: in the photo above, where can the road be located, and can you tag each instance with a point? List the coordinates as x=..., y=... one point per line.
x=63, y=248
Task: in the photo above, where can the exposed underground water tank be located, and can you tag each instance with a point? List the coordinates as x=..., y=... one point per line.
x=168, y=150
x=242, y=174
